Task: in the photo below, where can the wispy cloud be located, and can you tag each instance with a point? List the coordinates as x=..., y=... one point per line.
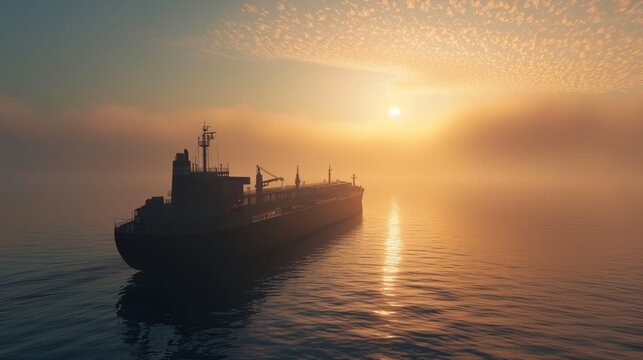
x=524, y=46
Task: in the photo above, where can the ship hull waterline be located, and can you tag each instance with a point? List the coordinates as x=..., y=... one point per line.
x=230, y=249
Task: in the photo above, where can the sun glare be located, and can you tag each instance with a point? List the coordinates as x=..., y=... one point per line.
x=394, y=112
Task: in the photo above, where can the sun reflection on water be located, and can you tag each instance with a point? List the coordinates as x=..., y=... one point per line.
x=392, y=255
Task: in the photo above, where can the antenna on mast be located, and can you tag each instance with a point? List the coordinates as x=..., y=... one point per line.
x=204, y=142
x=217, y=145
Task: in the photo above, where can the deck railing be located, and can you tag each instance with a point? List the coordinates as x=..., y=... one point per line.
x=222, y=170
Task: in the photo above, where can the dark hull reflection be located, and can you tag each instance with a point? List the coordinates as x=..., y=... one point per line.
x=194, y=316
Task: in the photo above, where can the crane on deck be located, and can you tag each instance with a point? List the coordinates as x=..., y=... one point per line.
x=260, y=182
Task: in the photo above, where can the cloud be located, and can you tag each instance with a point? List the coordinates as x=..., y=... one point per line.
x=574, y=137
x=582, y=138
x=122, y=141
x=471, y=46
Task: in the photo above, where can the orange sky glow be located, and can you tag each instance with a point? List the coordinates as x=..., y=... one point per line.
x=484, y=89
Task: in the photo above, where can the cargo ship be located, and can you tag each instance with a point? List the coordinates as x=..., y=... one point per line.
x=212, y=220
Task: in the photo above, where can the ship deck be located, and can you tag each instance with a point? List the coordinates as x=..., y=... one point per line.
x=293, y=187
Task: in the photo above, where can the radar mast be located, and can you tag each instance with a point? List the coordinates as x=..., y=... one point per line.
x=204, y=142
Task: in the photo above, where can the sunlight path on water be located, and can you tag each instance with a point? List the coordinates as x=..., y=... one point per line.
x=392, y=258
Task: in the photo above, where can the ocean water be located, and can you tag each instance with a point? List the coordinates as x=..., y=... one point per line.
x=469, y=273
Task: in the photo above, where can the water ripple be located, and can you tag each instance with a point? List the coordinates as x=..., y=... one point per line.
x=417, y=277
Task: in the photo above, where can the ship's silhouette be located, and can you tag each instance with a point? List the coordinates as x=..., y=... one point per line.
x=210, y=220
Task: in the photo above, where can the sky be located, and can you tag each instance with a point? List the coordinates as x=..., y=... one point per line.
x=89, y=88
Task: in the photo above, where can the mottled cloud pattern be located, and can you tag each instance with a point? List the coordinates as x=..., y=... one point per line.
x=524, y=46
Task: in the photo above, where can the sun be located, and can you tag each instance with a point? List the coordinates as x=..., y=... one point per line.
x=394, y=111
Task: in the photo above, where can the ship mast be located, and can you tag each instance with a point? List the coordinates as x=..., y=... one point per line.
x=204, y=142
x=297, y=179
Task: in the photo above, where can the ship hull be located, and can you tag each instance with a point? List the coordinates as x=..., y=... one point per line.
x=232, y=250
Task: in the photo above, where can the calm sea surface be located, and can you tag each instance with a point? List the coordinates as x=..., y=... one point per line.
x=437, y=274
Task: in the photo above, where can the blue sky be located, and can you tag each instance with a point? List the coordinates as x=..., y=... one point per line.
x=66, y=53
x=63, y=55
